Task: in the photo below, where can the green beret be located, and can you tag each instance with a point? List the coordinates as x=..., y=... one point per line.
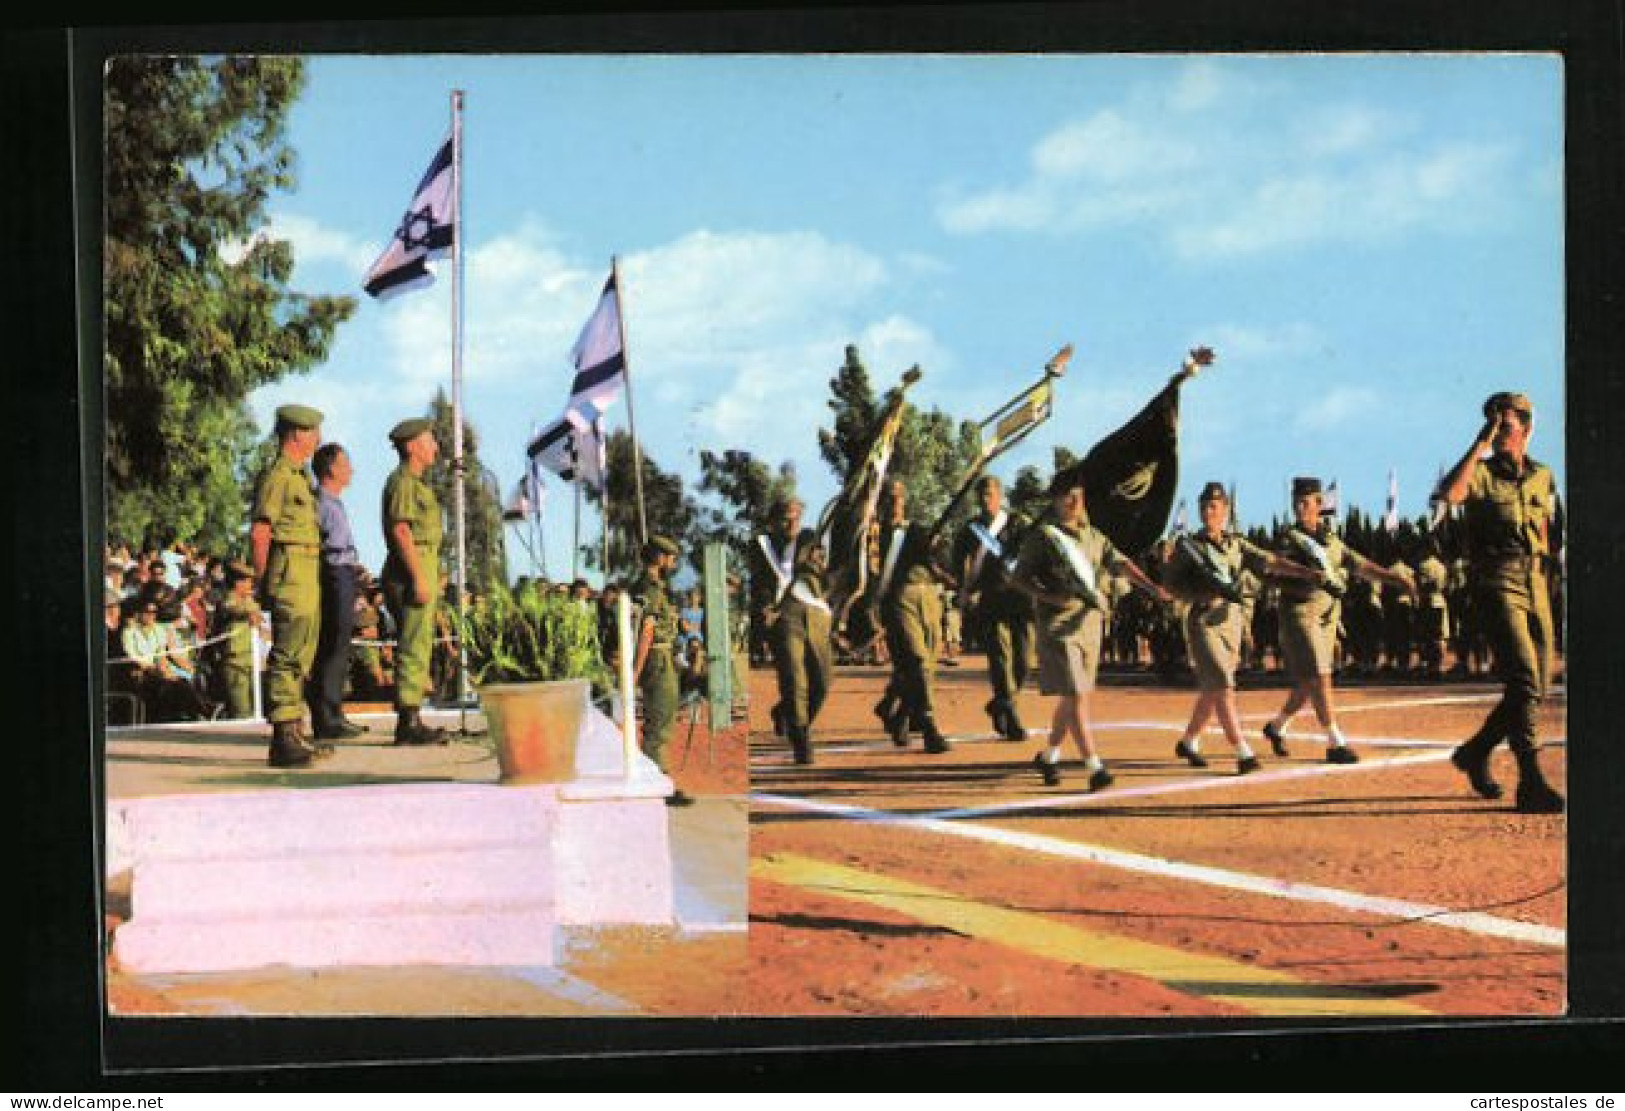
x=659, y=545
x=1213, y=491
x=299, y=416
x=1495, y=403
x=1303, y=487
x=409, y=430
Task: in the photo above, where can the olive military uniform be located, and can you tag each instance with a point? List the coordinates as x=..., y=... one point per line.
x=1213, y=625
x=235, y=618
x=911, y=614
x=1000, y=616
x=657, y=682
x=1069, y=635
x=292, y=584
x=1310, y=613
x=1507, y=518
x=409, y=499
x=791, y=577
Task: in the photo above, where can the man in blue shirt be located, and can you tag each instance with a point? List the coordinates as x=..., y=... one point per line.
x=340, y=574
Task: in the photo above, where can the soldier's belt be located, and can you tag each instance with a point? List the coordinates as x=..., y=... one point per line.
x=295, y=546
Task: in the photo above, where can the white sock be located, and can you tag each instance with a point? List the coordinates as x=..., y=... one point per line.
x=1244, y=750
x=1093, y=764
x=1334, y=736
x=1279, y=725
x=1052, y=755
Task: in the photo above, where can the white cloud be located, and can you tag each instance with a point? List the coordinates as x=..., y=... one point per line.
x=1212, y=183
x=1255, y=343
x=313, y=244
x=1337, y=407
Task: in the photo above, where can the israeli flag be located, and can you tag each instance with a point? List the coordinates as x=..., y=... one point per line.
x=572, y=447
x=1390, y=518
x=599, y=358
x=426, y=232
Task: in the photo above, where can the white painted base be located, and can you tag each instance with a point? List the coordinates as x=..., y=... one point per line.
x=422, y=873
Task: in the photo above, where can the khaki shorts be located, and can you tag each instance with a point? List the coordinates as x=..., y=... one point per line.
x=1067, y=665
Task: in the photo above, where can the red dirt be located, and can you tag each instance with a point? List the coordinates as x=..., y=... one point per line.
x=1412, y=832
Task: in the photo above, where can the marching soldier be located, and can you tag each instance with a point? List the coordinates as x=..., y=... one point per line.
x=1309, y=617
x=412, y=528
x=788, y=571
x=911, y=614
x=1433, y=613
x=996, y=611
x=285, y=541
x=1510, y=499
x=655, y=663
x=1060, y=568
x=1204, y=572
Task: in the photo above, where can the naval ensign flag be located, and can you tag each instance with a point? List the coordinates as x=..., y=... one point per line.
x=425, y=233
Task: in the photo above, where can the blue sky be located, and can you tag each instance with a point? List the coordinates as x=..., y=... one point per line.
x=1371, y=243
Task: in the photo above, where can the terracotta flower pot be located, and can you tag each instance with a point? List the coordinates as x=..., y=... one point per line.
x=535, y=727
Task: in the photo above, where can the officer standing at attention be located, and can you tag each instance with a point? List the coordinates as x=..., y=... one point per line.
x=1509, y=500
x=788, y=571
x=999, y=614
x=655, y=664
x=911, y=614
x=285, y=542
x=412, y=529
x=341, y=567
x=236, y=617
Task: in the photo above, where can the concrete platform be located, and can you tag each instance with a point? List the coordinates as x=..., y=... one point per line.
x=211, y=821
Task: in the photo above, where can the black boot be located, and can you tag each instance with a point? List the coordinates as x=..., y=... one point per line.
x=777, y=714
x=1014, y=730
x=1474, y=762
x=897, y=729
x=800, y=743
x=288, y=749
x=1534, y=794
x=410, y=730
x=1277, y=742
x=935, y=743
x=997, y=712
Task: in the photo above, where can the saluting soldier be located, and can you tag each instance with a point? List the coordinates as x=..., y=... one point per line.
x=413, y=528
x=911, y=614
x=655, y=663
x=1309, y=616
x=997, y=612
x=285, y=541
x=788, y=571
x=1204, y=571
x=1060, y=567
x=1510, y=500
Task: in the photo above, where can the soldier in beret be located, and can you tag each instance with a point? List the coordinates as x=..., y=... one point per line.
x=996, y=611
x=286, y=541
x=1510, y=500
x=787, y=579
x=1204, y=571
x=1309, y=615
x=1060, y=568
x=655, y=664
x=411, y=575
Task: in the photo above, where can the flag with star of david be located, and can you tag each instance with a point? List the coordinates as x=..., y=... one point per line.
x=572, y=447
x=424, y=233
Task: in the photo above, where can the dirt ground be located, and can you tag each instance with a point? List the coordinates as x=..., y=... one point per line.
x=888, y=882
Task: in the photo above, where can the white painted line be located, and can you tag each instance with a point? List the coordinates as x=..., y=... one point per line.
x=1469, y=921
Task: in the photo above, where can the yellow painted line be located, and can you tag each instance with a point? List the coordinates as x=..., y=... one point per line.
x=1259, y=990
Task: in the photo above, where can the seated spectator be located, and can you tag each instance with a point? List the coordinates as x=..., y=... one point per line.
x=165, y=691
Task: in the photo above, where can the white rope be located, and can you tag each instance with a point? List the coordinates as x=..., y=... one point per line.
x=184, y=648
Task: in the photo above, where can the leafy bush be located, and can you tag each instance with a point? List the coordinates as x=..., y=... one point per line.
x=533, y=636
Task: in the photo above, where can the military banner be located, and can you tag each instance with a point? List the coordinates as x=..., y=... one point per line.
x=1129, y=478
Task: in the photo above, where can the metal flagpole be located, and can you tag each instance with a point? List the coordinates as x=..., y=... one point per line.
x=458, y=496
x=575, y=542
x=631, y=417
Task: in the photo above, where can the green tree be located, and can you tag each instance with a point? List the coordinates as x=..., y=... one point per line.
x=744, y=489
x=931, y=453
x=482, y=504
x=198, y=312
x=670, y=511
